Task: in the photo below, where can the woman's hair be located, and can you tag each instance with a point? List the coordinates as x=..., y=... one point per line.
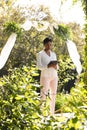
x=46, y=40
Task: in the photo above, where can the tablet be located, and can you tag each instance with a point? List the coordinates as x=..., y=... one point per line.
x=53, y=62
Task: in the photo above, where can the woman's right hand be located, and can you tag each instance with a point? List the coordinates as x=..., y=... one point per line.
x=53, y=66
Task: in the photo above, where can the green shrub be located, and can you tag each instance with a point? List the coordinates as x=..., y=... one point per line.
x=60, y=102
x=20, y=103
x=76, y=103
x=66, y=73
x=10, y=27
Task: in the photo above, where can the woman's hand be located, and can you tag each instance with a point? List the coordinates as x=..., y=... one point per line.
x=53, y=66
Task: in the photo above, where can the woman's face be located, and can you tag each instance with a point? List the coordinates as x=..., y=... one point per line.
x=48, y=46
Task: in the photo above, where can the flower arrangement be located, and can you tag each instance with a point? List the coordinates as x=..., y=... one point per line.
x=10, y=27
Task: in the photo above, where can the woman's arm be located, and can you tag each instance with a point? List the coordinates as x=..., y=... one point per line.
x=39, y=63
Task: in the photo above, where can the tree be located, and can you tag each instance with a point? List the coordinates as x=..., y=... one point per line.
x=84, y=2
x=26, y=46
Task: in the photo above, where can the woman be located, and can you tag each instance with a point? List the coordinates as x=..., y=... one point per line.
x=47, y=63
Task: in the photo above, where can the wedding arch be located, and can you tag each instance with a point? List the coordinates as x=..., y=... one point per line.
x=73, y=53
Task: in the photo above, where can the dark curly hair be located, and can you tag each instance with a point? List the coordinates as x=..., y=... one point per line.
x=46, y=40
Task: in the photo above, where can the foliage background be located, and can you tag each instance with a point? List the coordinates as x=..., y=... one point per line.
x=19, y=101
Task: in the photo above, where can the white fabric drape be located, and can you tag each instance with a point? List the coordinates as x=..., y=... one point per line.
x=74, y=55
x=44, y=25
x=41, y=26
x=27, y=25
x=7, y=49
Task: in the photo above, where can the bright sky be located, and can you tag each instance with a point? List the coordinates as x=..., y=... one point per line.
x=66, y=14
